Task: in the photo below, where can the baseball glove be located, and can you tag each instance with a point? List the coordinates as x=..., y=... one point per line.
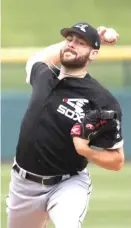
x=99, y=127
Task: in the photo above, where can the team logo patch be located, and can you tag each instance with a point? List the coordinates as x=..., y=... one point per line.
x=76, y=130
x=82, y=27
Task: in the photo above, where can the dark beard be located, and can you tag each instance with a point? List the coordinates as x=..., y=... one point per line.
x=76, y=63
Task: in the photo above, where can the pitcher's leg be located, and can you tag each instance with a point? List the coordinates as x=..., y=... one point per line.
x=68, y=205
x=31, y=220
x=26, y=204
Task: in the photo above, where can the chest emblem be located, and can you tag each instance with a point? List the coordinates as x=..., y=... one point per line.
x=73, y=108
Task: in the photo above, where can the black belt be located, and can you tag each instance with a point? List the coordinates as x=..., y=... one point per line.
x=50, y=181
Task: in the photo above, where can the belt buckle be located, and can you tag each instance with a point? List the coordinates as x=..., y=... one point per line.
x=43, y=182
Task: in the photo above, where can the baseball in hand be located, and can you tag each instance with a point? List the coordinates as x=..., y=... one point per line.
x=110, y=35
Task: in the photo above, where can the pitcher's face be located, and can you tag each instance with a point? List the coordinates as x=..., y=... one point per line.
x=76, y=52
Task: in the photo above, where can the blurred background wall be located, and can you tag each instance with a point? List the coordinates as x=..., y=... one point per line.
x=30, y=25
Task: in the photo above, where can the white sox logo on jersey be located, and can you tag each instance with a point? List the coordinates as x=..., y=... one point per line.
x=75, y=111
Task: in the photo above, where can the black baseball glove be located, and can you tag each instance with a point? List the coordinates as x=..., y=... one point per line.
x=99, y=127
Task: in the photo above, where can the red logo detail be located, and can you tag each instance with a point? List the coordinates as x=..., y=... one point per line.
x=65, y=99
x=102, y=122
x=90, y=126
x=76, y=130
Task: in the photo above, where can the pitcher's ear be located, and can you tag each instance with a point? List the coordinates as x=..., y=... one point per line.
x=93, y=54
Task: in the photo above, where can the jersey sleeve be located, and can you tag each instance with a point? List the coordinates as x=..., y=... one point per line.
x=34, y=70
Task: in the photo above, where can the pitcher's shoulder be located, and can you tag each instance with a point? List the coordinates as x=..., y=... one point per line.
x=101, y=95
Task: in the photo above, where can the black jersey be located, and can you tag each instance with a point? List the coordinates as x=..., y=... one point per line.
x=45, y=145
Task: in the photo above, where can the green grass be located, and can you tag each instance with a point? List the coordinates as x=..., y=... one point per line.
x=112, y=74
x=38, y=23
x=110, y=205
